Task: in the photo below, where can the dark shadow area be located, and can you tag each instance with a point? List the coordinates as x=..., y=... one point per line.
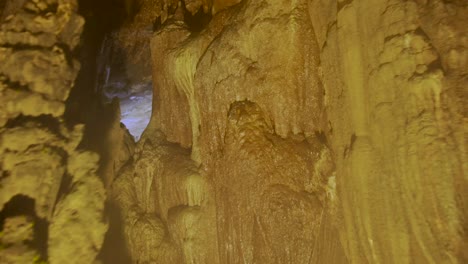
x=198, y=21
x=47, y=121
x=157, y=25
x=84, y=104
x=114, y=249
x=101, y=18
x=2, y=6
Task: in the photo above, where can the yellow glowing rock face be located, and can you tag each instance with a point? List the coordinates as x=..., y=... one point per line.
x=306, y=131
x=39, y=162
x=389, y=98
x=373, y=99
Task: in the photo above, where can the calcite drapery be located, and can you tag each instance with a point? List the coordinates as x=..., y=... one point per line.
x=394, y=102
x=251, y=112
x=324, y=135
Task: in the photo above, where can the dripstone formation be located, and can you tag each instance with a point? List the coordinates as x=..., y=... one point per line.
x=306, y=131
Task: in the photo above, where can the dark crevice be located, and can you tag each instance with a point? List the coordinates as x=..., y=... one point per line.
x=25, y=47
x=67, y=53
x=65, y=187
x=44, y=121
x=329, y=28
x=157, y=24
x=113, y=240
x=342, y=4
x=435, y=65
x=4, y=174
x=56, y=149
x=352, y=141
x=432, y=67
x=390, y=37
x=102, y=15
x=198, y=21
x=18, y=205
x=41, y=236
x=419, y=31
x=348, y=148
x=2, y=6
x=320, y=135
x=50, y=9
x=14, y=85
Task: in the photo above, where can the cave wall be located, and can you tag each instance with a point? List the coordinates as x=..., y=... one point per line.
x=395, y=81
x=51, y=198
x=306, y=131
x=311, y=132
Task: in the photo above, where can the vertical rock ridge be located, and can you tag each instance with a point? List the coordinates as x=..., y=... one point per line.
x=39, y=158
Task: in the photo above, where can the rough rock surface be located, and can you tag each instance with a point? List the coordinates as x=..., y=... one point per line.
x=306, y=131
x=318, y=132
x=163, y=186
x=17, y=233
x=252, y=188
x=149, y=10
x=395, y=81
x=39, y=159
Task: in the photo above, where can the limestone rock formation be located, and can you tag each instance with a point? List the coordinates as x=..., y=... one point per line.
x=39, y=159
x=263, y=165
x=17, y=233
x=76, y=228
x=306, y=131
x=394, y=101
x=321, y=135
x=163, y=186
x=148, y=10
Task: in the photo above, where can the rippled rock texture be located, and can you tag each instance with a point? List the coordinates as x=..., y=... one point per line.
x=395, y=81
x=52, y=201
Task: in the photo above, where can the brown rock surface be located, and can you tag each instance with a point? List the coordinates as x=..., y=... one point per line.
x=264, y=167
x=395, y=107
x=307, y=131
x=163, y=197
x=322, y=135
